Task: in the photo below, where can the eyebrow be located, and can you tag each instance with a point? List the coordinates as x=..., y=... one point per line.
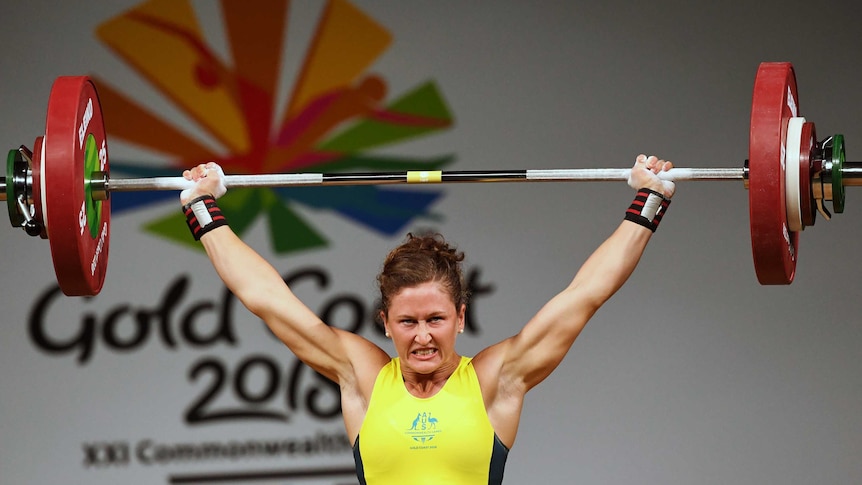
x=412, y=316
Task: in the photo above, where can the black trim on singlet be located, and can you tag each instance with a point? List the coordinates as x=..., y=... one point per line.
x=357, y=458
x=498, y=462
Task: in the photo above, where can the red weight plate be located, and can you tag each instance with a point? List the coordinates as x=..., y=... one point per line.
x=807, y=156
x=774, y=102
x=78, y=225
x=36, y=185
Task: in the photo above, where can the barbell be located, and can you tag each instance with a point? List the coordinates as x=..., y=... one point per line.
x=60, y=190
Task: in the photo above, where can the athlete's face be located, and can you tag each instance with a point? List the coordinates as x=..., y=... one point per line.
x=424, y=323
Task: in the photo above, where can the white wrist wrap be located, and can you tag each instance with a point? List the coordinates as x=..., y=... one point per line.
x=651, y=206
x=647, y=209
x=202, y=214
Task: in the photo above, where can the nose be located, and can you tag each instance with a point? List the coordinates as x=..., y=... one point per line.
x=423, y=334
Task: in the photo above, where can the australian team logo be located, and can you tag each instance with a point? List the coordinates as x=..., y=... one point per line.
x=232, y=105
x=424, y=427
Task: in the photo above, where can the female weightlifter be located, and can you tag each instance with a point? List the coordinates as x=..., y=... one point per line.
x=428, y=413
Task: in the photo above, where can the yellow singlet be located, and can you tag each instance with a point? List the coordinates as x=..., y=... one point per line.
x=443, y=439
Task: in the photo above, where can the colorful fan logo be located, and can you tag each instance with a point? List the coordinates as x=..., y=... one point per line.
x=336, y=114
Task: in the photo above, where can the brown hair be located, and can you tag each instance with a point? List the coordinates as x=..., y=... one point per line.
x=420, y=259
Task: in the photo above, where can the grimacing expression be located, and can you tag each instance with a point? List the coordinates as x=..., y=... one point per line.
x=423, y=323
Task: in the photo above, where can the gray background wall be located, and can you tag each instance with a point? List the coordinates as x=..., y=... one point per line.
x=693, y=373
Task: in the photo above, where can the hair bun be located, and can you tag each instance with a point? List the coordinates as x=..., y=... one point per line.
x=422, y=258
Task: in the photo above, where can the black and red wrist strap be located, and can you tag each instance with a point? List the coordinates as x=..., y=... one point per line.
x=203, y=215
x=648, y=208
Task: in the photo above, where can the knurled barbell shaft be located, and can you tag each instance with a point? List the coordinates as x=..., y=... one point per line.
x=418, y=177
x=851, y=172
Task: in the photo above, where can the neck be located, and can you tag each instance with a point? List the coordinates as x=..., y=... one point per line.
x=427, y=385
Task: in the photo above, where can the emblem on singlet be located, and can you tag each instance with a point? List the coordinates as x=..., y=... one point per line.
x=423, y=429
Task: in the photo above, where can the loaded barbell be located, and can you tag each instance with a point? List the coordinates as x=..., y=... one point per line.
x=60, y=190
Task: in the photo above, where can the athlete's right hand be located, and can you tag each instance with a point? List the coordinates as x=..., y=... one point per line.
x=645, y=172
x=209, y=180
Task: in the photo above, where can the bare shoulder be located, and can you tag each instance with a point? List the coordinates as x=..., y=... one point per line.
x=365, y=361
x=490, y=366
x=356, y=380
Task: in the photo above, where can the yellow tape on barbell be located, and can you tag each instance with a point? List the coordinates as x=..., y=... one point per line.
x=423, y=177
